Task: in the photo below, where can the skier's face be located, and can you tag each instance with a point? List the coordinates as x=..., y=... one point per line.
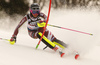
x=35, y=12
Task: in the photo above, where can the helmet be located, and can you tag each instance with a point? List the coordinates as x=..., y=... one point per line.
x=35, y=10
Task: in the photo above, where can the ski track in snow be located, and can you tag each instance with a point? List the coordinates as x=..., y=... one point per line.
x=24, y=52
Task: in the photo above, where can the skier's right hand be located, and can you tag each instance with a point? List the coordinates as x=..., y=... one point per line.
x=13, y=38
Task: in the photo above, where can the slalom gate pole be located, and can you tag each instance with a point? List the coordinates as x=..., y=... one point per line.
x=70, y=29
x=45, y=25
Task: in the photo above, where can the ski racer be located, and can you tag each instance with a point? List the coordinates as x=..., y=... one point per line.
x=35, y=25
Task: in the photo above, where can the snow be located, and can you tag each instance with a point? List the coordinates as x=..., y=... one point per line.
x=23, y=52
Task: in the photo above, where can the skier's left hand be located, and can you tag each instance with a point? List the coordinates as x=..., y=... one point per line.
x=41, y=24
x=42, y=21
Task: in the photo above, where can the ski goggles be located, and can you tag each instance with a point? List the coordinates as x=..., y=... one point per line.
x=34, y=11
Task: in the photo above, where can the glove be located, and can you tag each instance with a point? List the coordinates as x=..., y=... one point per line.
x=41, y=24
x=13, y=38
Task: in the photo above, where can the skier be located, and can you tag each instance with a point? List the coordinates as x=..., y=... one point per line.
x=35, y=20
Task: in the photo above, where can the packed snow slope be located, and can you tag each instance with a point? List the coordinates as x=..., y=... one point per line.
x=23, y=52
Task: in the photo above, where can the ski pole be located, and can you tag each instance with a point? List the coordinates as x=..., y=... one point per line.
x=11, y=42
x=70, y=29
x=46, y=24
x=4, y=39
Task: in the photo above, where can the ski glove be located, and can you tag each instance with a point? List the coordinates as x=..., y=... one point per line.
x=13, y=38
x=41, y=24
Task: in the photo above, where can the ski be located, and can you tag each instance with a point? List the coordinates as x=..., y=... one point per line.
x=77, y=56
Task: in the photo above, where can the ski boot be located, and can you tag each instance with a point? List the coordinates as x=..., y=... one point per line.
x=61, y=54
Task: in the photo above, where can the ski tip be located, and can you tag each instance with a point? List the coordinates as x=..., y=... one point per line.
x=62, y=54
x=77, y=56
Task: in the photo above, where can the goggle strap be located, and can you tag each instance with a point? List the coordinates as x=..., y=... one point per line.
x=30, y=10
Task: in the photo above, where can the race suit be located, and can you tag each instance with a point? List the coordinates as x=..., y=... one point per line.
x=36, y=32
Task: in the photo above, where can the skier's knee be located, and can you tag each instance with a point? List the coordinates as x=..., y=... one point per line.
x=46, y=41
